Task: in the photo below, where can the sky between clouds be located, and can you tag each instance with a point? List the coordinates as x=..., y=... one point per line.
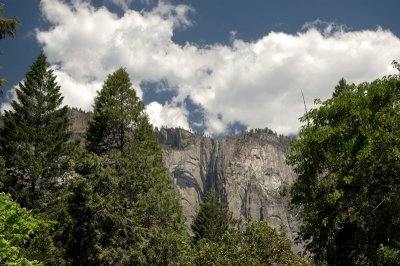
x=215, y=86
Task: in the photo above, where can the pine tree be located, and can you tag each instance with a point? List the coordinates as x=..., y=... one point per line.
x=34, y=138
x=140, y=220
x=341, y=88
x=212, y=220
x=79, y=228
x=117, y=112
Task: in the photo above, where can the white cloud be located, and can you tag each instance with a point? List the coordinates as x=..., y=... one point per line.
x=76, y=93
x=10, y=96
x=167, y=115
x=255, y=83
x=124, y=4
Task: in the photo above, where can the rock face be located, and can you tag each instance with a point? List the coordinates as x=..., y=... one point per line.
x=78, y=122
x=248, y=170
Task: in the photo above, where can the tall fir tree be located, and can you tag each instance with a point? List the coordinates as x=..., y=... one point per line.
x=341, y=88
x=117, y=112
x=139, y=218
x=212, y=220
x=79, y=227
x=34, y=137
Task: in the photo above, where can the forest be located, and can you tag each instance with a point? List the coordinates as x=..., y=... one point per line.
x=109, y=200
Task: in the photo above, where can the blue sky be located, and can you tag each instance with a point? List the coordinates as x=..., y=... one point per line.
x=214, y=66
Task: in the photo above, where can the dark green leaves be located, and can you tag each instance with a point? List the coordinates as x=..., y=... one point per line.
x=34, y=137
x=117, y=114
x=259, y=244
x=212, y=220
x=347, y=159
x=17, y=225
x=133, y=206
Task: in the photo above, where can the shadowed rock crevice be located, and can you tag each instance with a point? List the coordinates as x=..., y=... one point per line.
x=248, y=170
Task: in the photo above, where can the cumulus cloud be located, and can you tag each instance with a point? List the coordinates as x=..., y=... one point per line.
x=11, y=95
x=167, y=115
x=77, y=94
x=124, y=4
x=254, y=83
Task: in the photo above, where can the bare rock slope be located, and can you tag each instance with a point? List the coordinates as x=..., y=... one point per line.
x=78, y=122
x=249, y=171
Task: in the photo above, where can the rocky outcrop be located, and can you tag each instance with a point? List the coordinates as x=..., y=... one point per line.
x=78, y=122
x=248, y=170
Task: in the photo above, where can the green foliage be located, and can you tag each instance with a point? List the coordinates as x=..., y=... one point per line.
x=388, y=256
x=7, y=28
x=44, y=249
x=125, y=193
x=259, y=244
x=341, y=88
x=230, y=250
x=2, y=172
x=396, y=65
x=212, y=220
x=117, y=113
x=348, y=164
x=36, y=150
x=34, y=137
x=17, y=225
x=79, y=230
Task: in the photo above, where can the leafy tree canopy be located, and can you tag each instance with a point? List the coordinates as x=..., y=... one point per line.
x=259, y=244
x=347, y=159
x=17, y=225
x=137, y=218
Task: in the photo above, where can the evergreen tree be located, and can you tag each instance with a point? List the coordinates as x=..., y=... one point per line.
x=79, y=229
x=139, y=218
x=341, y=87
x=212, y=220
x=257, y=245
x=34, y=137
x=117, y=112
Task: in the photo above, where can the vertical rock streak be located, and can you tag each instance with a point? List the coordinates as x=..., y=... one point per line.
x=249, y=172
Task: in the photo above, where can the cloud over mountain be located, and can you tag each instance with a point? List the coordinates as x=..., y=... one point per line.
x=254, y=83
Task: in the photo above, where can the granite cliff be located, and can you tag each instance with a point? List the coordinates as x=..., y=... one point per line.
x=248, y=170
x=78, y=122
